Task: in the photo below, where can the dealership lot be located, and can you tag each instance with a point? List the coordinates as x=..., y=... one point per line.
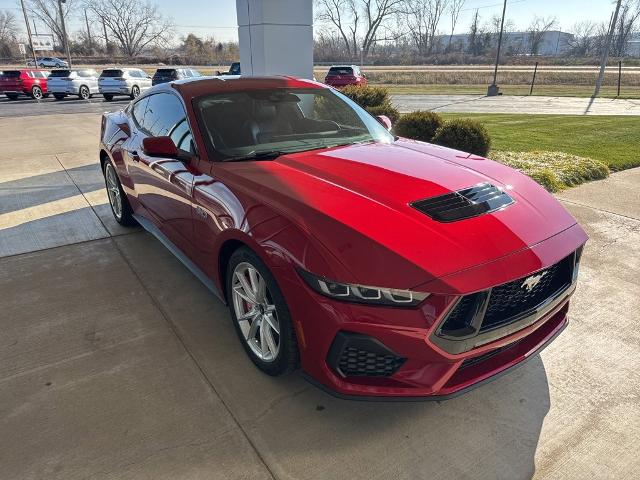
x=115, y=362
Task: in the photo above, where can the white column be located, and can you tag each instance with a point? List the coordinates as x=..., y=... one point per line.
x=276, y=37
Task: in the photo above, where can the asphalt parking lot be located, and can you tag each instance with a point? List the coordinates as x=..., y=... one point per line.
x=116, y=363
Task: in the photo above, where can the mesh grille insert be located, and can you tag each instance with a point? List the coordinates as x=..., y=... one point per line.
x=362, y=363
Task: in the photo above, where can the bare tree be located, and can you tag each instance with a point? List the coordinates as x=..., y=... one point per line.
x=8, y=32
x=358, y=22
x=47, y=12
x=478, y=37
x=583, y=41
x=422, y=18
x=134, y=25
x=627, y=21
x=537, y=30
x=455, y=6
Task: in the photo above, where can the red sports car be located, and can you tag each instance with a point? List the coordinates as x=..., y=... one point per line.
x=384, y=267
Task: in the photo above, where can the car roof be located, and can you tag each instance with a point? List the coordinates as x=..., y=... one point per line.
x=198, y=86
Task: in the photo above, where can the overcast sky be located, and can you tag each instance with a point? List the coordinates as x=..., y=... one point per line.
x=218, y=17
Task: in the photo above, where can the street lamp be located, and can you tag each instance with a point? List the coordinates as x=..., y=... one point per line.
x=493, y=89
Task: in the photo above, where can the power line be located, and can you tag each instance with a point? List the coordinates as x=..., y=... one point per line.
x=491, y=6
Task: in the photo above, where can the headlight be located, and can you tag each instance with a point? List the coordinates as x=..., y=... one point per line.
x=361, y=293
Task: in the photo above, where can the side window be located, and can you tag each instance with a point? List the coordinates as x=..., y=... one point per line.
x=138, y=111
x=165, y=116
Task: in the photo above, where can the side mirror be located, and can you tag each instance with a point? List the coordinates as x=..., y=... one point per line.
x=384, y=121
x=160, y=147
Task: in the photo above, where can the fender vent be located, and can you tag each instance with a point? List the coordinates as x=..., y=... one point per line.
x=467, y=203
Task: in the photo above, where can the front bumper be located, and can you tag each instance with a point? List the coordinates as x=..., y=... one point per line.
x=427, y=371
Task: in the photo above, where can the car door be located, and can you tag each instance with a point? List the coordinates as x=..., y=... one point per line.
x=163, y=185
x=144, y=80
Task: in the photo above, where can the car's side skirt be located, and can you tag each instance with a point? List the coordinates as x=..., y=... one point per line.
x=192, y=267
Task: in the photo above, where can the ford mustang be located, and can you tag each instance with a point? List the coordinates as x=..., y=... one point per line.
x=380, y=266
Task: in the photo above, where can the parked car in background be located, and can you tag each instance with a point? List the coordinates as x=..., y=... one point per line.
x=123, y=81
x=386, y=267
x=32, y=83
x=83, y=83
x=164, y=75
x=48, y=62
x=343, y=75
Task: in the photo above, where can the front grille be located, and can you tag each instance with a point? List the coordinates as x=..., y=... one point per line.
x=467, y=203
x=508, y=301
x=513, y=298
x=358, y=355
x=362, y=363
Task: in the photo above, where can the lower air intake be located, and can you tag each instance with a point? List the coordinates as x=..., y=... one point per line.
x=356, y=355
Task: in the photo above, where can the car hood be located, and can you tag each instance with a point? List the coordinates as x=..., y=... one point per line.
x=355, y=201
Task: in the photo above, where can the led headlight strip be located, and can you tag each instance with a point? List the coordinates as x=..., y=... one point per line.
x=361, y=293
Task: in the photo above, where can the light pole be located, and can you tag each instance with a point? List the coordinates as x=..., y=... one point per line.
x=26, y=21
x=493, y=89
x=64, y=32
x=605, y=53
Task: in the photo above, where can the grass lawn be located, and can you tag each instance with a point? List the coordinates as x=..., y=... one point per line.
x=613, y=140
x=543, y=90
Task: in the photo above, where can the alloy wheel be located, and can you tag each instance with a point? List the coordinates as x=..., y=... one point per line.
x=255, y=312
x=135, y=91
x=113, y=190
x=84, y=93
x=37, y=93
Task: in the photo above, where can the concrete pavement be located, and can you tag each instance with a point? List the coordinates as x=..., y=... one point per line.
x=116, y=363
x=517, y=104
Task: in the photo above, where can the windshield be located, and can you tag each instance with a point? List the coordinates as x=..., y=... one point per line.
x=286, y=120
x=341, y=71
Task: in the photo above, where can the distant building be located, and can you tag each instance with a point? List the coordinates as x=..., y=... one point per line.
x=633, y=47
x=552, y=42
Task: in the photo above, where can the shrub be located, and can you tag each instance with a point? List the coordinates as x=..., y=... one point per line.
x=418, y=125
x=386, y=109
x=463, y=134
x=367, y=96
x=554, y=170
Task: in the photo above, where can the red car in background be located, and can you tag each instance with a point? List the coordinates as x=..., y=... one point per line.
x=343, y=75
x=384, y=267
x=32, y=83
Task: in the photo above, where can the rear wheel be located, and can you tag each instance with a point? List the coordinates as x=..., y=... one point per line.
x=135, y=91
x=84, y=93
x=36, y=92
x=108, y=97
x=260, y=314
x=59, y=96
x=118, y=201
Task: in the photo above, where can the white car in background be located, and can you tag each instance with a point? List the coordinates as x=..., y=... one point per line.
x=48, y=62
x=123, y=81
x=81, y=82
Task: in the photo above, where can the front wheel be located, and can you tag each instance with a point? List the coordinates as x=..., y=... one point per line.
x=135, y=91
x=108, y=97
x=260, y=314
x=118, y=201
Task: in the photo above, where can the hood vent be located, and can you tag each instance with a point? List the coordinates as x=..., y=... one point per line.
x=467, y=203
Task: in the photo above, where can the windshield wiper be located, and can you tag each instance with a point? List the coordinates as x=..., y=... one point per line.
x=262, y=155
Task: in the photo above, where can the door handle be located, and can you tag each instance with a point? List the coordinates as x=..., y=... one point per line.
x=134, y=156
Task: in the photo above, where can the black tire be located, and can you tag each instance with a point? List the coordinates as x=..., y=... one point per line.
x=108, y=97
x=12, y=96
x=59, y=96
x=126, y=216
x=36, y=92
x=287, y=359
x=58, y=65
x=41, y=65
x=46, y=95
x=84, y=93
x=135, y=91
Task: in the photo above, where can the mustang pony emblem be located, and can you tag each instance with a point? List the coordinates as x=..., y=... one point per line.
x=531, y=282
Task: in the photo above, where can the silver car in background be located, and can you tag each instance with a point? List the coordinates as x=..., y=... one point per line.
x=48, y=62
x=81, y=82
x=123, y=81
